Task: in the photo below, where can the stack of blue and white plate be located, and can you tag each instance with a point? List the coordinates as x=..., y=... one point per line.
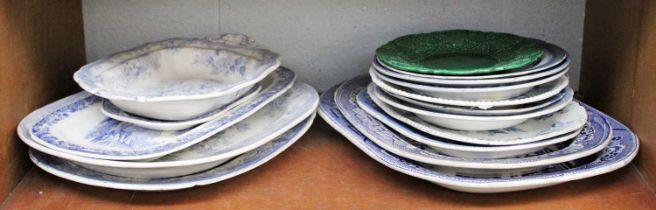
x=172, y=114
x=496, y=132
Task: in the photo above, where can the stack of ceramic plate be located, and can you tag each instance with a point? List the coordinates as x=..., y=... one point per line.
x=172, y=114
x=477, y=112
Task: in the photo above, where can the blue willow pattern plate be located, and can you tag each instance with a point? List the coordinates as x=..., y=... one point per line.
x=592, y=139
x=622, y=148
x=239, y=165
x=106, y=138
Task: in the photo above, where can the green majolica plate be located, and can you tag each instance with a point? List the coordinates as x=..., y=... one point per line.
x=459, y=52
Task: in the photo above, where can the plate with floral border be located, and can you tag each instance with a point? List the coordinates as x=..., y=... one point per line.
x=239, y=165
x=593, y=138
x=622, y=148
x=76, y=125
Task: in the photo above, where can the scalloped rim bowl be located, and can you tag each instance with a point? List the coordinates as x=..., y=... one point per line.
x=180, y=78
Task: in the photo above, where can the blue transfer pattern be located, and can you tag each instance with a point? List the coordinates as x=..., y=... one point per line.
x=234, y=167
x=622, y=148
x=595, y=135
x=55, y=112
x=144, y=60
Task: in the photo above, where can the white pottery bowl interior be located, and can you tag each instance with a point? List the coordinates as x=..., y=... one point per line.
x=178, y=110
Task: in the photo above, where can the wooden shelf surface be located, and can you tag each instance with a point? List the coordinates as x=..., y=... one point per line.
x=325, y=171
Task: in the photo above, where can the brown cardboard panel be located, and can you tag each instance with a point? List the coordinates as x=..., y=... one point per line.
x=644, y=102
x=41, y=44
x=323, y=170
x=610, y=48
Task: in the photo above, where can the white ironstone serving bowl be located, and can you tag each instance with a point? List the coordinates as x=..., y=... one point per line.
x=180, y=78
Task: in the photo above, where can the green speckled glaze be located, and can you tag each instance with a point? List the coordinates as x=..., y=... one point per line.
x=459, y=52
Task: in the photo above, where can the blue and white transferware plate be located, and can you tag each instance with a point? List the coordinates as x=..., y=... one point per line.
x=535, y=94
x=180, y=78
x=76, y=125
x=454, y=148
x=267, y=123
x=239, y=165
x=553, y=60
x=622, y=148
x=593, y=138
x=571, y=118
x=116, y=113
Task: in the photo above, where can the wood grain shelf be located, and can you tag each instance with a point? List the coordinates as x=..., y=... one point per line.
x=324, y=170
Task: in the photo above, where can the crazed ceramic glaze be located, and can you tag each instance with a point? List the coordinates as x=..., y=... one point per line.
x=116, y=113
x=571, y=118
x=594, y=138
x=553, y=55
x=462, y=122
x=76, y=125
x=622, y=148
x=271, y=121
x=473, y=93
x=239, y=165
x=454, y=148
x=178, y=79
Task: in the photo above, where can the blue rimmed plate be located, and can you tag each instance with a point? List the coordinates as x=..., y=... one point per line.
x=239, y=165
x=622, y=148
x=593, y=139
x=75, y=125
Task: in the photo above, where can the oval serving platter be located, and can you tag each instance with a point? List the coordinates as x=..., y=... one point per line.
x=622, y=148
x=239, y=165
x=595, y=137
x=97, y=136
x=271, y=121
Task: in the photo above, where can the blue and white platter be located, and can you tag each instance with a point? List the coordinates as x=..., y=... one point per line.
x=622, y=148
x=454, y=148
x=76, y=125
x=239, y=165
x=116, y=113
x=570, y=119
x=594, y=138
x=271, y=121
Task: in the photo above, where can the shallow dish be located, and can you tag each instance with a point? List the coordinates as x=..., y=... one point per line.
x=553, y=56
x=178, y=79
x=572, y=118
x=594, y=138
x=463, y=122
x=622, y=148
x=75, y=125
x=495, y=111
x=459, y=52
x=239, y=165
x=293, y=109
x=535, y=94
x=493, y=93
x=450, y=147
x=116, y=113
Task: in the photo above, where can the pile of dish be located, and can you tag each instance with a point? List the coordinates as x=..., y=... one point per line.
x=172, y=114
x=476, y=112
